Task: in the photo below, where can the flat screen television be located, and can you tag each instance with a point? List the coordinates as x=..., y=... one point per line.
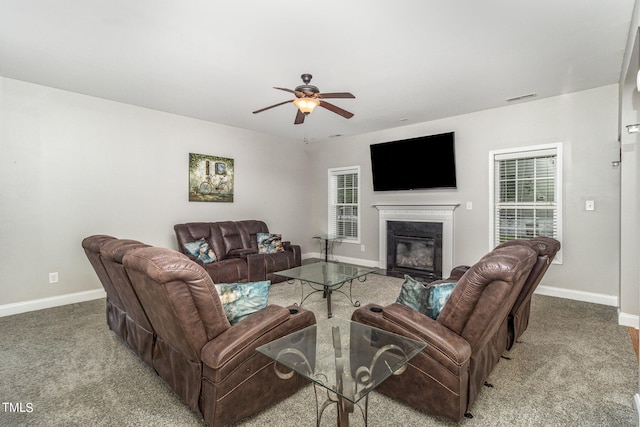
x=412, y=164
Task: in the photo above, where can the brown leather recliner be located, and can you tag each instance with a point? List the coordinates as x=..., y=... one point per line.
x=235, y=246
x=125, y=315
x=446, y=377
x=115, y=311
x=518, y=319
x=211, y=365
x=139, y=333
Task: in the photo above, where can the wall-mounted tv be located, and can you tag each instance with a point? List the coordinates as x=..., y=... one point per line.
x=413, y=164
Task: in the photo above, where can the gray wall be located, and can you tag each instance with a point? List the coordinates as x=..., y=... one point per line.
x=586, y=123
x=74, y=165
x=630, y=179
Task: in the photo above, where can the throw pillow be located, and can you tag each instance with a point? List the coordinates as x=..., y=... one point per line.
x=269, y=243
x=427, y=299
x=239, y=300
x=413, y=294
x=201, y=251
x=437, y=296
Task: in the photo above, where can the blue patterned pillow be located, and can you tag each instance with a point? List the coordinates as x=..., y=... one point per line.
x=239, y=300
x=269, y=243
x=413, y=294
x=427, y=299
x=201, y=250
x=437, y=296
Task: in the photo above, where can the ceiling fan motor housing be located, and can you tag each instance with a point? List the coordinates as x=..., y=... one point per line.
x=306, y=88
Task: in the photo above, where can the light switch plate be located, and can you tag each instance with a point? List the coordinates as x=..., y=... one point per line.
x=590, y=205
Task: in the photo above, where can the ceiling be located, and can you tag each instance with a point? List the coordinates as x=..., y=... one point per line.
x=406, y=61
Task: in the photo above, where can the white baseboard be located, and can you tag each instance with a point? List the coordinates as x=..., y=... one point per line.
x=625, y=319
x=42, y=303
x=551, y=291
x=347, y=260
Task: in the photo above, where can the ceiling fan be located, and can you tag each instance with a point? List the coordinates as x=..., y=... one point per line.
x=309, y=97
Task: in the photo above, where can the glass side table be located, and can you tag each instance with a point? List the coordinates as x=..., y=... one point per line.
x=327, y=241
x=347, y=359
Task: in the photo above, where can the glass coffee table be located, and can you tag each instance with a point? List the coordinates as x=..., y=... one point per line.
x=346, y=358
x=327, y=277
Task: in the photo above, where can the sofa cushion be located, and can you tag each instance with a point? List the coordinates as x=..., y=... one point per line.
x=269, y=243
x=201, y=250
x=428, y=299
x=239, y=300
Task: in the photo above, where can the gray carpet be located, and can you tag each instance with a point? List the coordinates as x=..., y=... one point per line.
x=575, y=367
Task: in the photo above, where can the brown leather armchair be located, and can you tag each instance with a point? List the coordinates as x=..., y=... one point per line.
x=446, y=377
x=211, y=365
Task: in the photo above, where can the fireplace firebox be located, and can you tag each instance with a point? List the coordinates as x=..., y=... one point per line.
x=414, y=248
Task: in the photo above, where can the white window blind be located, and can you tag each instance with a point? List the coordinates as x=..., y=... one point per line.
x=526, y=194
x=344, y=203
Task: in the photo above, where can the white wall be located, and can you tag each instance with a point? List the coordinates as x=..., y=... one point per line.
x=630, y=179
x=73, y=165
x=587, y=125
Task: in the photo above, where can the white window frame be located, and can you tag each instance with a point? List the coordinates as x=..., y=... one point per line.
x=333, y=174
x=522, y=153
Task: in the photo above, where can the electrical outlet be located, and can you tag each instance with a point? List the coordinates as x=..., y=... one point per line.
x=469, y=206
x=590, y=205
x=53, y=277
x=361, y=248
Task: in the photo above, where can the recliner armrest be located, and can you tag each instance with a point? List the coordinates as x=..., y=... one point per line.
x=443, y=345
x=232, y=341
x=240, y=253
x=221, y=355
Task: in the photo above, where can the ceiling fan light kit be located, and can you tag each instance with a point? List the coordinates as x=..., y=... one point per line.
x=309, y=97
x=306, y=105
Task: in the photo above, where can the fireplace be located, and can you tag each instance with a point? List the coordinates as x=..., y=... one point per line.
x=416, y=240
x=414, y=248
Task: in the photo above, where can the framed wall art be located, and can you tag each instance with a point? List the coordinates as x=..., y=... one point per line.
x=210, y=178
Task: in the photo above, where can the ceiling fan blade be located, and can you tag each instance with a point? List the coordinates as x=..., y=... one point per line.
x=285, y=89
x=297, y=93
x=337, y=110
x=299, y=118
x=336, y=95
x=271, y=106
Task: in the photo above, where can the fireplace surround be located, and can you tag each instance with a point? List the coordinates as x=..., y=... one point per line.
x=424, y=245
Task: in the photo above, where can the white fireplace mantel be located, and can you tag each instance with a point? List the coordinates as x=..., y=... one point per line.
x=441, y=213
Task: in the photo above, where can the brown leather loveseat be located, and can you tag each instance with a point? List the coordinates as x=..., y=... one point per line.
x=183, y=333
x=235, y=246
x=446, y=377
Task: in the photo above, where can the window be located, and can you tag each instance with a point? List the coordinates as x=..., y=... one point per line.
x=526, y=195
x=344, y=203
